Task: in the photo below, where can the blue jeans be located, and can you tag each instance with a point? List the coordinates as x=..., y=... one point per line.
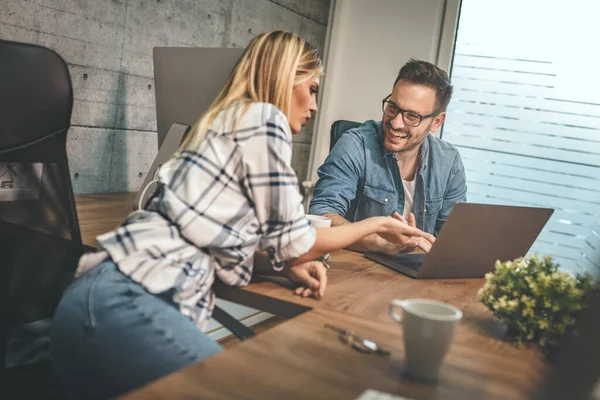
x=109, y=335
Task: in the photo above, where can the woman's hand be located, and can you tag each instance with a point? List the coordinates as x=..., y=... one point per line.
x=397, y=232
x=403, y=235
x=424, y=242
x=312, y=277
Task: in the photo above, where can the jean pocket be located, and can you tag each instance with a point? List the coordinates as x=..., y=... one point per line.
x=378, y=201
x=432, y=209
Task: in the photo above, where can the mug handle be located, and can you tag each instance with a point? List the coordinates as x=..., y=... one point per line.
x=392, y=309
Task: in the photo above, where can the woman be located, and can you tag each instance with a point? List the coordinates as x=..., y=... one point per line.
x=138, y=307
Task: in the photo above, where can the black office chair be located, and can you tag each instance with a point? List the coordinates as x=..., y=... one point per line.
x=40, y=242
x=338, y=128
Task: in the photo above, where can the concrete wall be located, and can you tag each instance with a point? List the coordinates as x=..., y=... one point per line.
x=370, y=41
x=108, y=46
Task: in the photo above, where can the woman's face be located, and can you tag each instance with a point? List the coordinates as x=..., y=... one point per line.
x=304, y=103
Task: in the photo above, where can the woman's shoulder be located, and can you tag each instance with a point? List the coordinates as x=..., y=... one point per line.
x=264, y=114
x=260, y=119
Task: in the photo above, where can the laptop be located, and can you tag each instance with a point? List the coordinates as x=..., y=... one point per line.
x=186, y=81
x=472, y=239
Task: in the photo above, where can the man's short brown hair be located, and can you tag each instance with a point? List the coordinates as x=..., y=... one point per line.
x=425, y=73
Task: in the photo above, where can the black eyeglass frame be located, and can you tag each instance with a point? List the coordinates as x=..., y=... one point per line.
x=404, y=112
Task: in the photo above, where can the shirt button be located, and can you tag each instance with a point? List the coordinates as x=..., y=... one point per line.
x=385, y=200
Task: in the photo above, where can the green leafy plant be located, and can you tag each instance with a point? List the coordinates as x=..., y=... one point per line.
x=536, y=301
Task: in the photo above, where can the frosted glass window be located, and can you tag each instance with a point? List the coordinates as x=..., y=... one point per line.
x=526, y=116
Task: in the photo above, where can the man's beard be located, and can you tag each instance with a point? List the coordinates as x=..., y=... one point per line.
x=399, y=133
x=406, y=132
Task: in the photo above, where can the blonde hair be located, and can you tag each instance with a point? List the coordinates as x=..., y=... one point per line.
x=272, y=64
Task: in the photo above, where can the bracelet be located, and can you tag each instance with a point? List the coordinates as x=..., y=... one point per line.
x=324, y=259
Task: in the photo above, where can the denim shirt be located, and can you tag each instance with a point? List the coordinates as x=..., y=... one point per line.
x=361, y=179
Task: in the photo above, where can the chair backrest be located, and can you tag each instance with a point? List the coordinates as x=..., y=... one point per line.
x=338, y=128
x=40, y=242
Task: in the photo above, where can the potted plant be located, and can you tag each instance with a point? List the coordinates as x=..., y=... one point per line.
x=536, y=301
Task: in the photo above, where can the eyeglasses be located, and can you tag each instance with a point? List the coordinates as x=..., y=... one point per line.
x=363, y=345
x=410, y=118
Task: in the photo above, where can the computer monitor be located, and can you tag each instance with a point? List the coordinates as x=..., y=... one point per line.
x=186, y=81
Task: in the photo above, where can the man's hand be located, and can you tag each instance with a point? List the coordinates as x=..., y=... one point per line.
x=312, y=277
x=400, y=236
x=391, y=248
x=424, y=243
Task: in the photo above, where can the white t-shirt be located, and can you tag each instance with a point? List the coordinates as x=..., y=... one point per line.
x=409, y=194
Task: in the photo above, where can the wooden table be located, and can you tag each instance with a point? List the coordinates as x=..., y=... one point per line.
x=361, y=287
x=100, y=213
x=302, y=359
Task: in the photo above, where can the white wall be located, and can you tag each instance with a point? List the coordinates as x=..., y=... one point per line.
x=369, y=42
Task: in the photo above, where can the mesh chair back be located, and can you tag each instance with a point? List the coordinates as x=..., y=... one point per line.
x=40, y=242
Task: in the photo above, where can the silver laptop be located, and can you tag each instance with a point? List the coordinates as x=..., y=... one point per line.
x=472, y=239
x=186, y=81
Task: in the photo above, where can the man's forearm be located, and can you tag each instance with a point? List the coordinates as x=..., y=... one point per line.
x=369, y=243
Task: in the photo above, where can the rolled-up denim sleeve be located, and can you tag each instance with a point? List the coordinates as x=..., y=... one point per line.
x=339, y=177
x=456, y=192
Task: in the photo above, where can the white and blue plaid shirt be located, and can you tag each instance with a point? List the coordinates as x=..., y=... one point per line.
x=214, y=208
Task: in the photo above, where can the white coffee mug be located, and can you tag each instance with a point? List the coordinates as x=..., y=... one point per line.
x=429, y=328
x=318, y=221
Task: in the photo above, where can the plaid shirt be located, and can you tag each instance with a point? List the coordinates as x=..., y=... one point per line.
x=214, y=208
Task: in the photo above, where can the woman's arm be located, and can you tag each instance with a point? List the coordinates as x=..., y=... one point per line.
x=311, y=276
x=339, y=237
x=373, y=242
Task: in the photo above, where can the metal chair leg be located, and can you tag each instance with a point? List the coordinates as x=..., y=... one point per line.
x=240, y=330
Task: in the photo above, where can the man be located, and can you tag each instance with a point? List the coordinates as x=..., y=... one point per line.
x=395, y=166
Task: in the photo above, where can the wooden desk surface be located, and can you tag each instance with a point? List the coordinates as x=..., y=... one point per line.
x=300, y=359
x=359, y=286
x=100, y=213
